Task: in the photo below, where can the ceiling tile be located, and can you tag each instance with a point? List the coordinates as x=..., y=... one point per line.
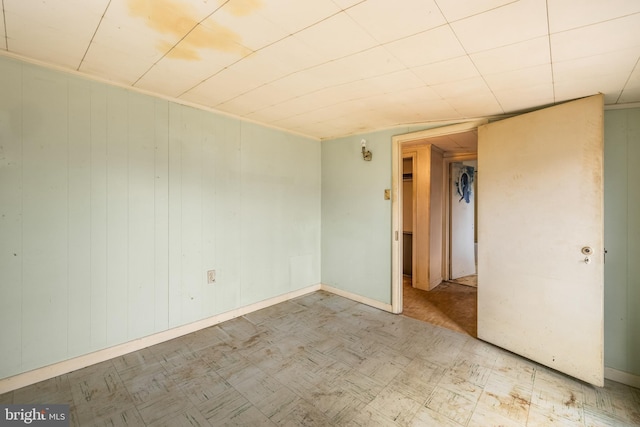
x=427, y=47
x=457, y=88
x=396, y=81
x=114, y=64
x=606, y=74
x=125, y=34
x=58, y=13
x=222, y=87
x=573, y=89
x=207, y=38
x=525, y=97
x=295, y=15
x=622, y=33
x=346, y=92
x=513, y=23
x=255, y=100
x=270, y=114
x=45, y=43
x=417, y=105
x=337, y=95
x=346, y=37
x=477, y=104
x=620, y=64
x=270, y=69
x=174, y=76
x=568, y=14
x=55, y=32
x=459, y=68
x=303, y=82
x=123, y=50
x=319, y=114
x=363, y=65
x=386, y=22
x=419, y=96
x=370, y=63
x=455, y=10
x=292, y=54
x=434, y=110
x=168, y=20
x=513, y=57
x=515, y=79
x=250, y=27
x=345, y=4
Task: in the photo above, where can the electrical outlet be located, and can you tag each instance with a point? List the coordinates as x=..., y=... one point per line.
x=211, y=276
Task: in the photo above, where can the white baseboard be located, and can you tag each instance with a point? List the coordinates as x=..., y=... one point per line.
x=73, y=364
x=69, y=365
x=357, y=298
x=622, y=377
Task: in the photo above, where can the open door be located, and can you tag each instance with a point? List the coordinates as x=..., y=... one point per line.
x=540, y=265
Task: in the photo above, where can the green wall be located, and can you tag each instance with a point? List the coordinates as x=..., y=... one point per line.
x=622, y=239
x=356, y=220
x=113, y=205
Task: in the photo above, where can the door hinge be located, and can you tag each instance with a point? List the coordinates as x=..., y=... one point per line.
x=396, y=235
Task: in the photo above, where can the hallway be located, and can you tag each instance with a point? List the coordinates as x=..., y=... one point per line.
x=450, y=305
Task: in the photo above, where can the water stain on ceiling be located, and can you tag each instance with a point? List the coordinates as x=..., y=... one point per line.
x=241, y=7
x=193, y=32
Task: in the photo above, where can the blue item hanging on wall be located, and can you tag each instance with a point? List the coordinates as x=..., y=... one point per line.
x=464, y=183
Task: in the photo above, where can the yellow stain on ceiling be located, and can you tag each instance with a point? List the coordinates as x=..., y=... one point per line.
x=180, y=20
x=241, y=7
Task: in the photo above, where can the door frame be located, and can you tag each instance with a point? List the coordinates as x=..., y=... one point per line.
x=397, y=143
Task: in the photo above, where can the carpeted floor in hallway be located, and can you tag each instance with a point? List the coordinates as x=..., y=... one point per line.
x=449, y=305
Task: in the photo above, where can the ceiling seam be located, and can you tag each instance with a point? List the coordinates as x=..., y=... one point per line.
x=553, y=78
x=591, y=24
x=635, y=67
x=475, y=14
x=4, y=19
x=93, y=35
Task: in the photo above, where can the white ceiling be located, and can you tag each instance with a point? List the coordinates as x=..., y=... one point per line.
x=328, y=68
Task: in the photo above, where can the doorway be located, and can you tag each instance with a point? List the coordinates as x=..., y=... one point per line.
x=441, y=302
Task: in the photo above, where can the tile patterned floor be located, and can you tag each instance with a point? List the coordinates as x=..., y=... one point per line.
x=322, y=360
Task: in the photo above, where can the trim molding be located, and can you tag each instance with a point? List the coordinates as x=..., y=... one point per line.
x=622, y=377
x=79, y=362
x=357, y=298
